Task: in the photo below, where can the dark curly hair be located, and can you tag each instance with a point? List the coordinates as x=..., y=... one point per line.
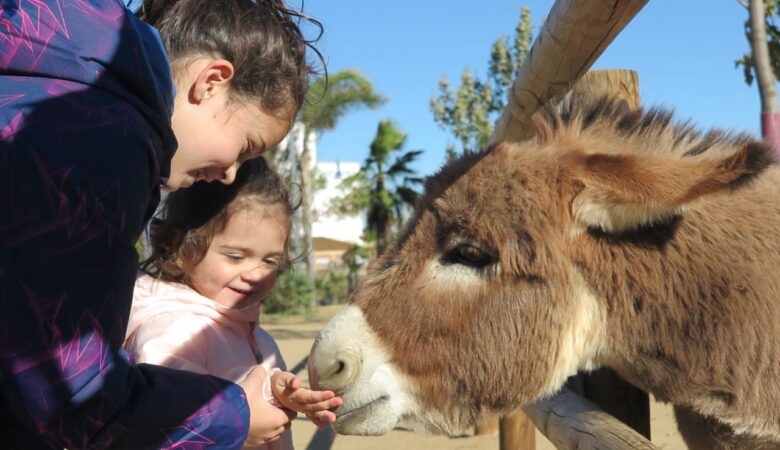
x=261, y=38
x=189, y=218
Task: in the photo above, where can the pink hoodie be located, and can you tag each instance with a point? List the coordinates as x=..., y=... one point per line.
x=172, y=325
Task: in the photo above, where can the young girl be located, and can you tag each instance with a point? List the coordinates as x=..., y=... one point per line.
x=216, y=254
x=88, y=131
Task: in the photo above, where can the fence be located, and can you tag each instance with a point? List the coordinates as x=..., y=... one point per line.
x=575, y=33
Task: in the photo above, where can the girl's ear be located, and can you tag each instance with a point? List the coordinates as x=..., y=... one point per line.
x=213, y=77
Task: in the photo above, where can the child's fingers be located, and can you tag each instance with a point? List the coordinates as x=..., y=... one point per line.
x=322, y=416
x=311, y=408
x=304, y=395
x=281, y=378
x=294, y=383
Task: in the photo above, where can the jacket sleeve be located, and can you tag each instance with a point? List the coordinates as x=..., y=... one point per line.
x=75, y=190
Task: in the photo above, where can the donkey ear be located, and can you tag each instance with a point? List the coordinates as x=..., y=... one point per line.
x=626, y=191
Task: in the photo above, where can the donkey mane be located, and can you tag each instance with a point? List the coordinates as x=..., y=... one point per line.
x=653, y=130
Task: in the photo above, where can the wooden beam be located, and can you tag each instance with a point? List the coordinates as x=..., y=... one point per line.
x=570, y=421
x=575, y=33
x=604, y=387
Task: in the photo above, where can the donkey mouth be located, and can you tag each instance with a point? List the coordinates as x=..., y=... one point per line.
x=343, y=418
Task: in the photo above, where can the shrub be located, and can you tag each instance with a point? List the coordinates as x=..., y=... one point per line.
x=290, y=295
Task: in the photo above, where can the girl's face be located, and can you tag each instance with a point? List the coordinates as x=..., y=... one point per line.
x=214, y=135
x=241, y=263
x=215, y=138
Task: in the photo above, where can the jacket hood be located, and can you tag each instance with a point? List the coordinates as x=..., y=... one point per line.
x=98, y=44
x=152, y=297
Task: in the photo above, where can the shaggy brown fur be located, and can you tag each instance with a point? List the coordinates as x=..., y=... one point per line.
x=617, y=238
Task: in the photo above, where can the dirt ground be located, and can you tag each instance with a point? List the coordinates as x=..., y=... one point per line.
x=295, y=337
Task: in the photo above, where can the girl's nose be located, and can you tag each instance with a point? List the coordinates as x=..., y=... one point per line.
x=254, y=275
x=228, y=175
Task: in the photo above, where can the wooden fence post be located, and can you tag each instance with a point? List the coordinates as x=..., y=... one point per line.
x=604, y=387
x=517, y=432
x=573, y=36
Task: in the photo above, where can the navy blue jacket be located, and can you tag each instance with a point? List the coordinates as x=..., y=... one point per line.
x=85, y=103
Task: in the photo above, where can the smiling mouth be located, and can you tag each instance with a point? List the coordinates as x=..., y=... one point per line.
x=342, y=418
x=241, y=291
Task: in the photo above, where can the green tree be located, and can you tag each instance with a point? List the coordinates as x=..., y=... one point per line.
x=385, y=186
x=331, y=288
x=329, y=99
x=772, y=30
x=354, y=258
x=290, y=294
x=471, y=111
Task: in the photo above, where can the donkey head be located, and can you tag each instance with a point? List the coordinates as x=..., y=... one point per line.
x=478, y=308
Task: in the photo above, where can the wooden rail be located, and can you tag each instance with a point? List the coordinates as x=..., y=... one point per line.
x=624, y=406
x=574, y=35
x=570, y=421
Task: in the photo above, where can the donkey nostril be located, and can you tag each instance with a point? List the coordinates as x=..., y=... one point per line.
x=333, y=369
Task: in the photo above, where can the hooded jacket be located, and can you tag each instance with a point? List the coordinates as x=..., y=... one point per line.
x=85, y=103
x=174, y=326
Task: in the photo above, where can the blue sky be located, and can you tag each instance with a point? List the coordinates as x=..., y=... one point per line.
x=683, y=51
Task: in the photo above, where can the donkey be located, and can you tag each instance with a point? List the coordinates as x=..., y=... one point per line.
x=616, y=238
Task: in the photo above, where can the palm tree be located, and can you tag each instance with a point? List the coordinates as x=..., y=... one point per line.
x=330, y=98
x=385, y=184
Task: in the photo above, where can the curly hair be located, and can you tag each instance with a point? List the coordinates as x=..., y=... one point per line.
x=189, y=218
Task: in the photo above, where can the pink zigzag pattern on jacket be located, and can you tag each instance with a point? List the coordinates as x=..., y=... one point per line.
x=31, y=12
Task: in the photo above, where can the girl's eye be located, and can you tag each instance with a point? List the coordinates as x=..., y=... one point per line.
x=273, y=262
x=234, y=257
x=246, y=152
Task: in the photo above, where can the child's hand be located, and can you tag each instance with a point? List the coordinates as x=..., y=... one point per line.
x=288, y=390
x=267, y=422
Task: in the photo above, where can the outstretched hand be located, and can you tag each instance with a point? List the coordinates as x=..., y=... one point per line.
x=316, y=405
x=267, y=422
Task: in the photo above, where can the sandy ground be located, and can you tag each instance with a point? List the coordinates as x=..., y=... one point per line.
x=295, y=336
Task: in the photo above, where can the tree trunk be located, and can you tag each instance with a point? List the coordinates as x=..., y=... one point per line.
x=770, y=119
x=285, y=162
x=306, y=215
x=761, y=62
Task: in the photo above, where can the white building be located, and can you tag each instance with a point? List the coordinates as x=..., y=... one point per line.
x=328, y=225
x=331, y=235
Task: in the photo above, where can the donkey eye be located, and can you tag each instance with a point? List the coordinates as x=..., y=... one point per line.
x=469, y=255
